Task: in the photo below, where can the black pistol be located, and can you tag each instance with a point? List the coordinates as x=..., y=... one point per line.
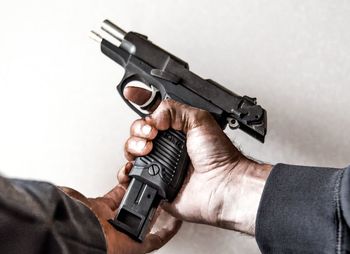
x=159, y=175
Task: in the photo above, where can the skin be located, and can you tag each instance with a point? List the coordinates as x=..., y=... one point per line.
x=222, y=187
x=163, y=229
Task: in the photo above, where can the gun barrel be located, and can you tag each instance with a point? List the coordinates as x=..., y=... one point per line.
x=95, y=36
x=113, y=30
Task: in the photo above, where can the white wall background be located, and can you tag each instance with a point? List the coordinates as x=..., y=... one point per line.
x=61, y=119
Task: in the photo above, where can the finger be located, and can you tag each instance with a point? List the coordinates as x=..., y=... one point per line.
x=152, y=242
x=138, y=146
x=172, y=114
x=128, y=167
x=136, y=94
x=163, y=230
x=141, y=129
x=129, y=156
x=140, y=96
x=123, y=174
x=114, y=197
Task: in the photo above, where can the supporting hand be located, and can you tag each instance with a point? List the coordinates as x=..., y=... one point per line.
x=164, y=227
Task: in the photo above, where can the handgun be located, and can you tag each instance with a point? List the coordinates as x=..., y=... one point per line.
x=159, y=175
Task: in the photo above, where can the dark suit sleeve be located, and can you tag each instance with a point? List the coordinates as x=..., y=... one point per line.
x=36, y=217
x=305, y=210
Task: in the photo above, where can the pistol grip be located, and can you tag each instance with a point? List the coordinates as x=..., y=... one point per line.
x=155, y=177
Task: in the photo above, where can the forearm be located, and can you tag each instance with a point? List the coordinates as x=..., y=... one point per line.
x=290, y=209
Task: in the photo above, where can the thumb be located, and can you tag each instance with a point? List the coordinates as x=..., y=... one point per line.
x=169, y=113
x=114, y=197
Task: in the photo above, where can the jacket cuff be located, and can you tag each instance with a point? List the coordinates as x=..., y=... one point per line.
x=298, y=210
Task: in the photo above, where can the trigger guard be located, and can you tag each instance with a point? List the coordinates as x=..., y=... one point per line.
x=120, y=88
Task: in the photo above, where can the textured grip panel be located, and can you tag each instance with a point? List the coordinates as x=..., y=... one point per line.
x=165, y=167
x=167, y=153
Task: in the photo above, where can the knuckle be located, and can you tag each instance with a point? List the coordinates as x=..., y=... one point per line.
x=198, y=117
x=135, y=145
x=127, y=144
x=203, y=114
x=135, y=126
x=129, y=157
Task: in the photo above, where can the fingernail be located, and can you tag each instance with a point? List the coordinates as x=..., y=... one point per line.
x=138, y=145
x=146, y=129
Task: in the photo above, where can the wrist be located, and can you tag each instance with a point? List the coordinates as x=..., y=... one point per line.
x=241, y=194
